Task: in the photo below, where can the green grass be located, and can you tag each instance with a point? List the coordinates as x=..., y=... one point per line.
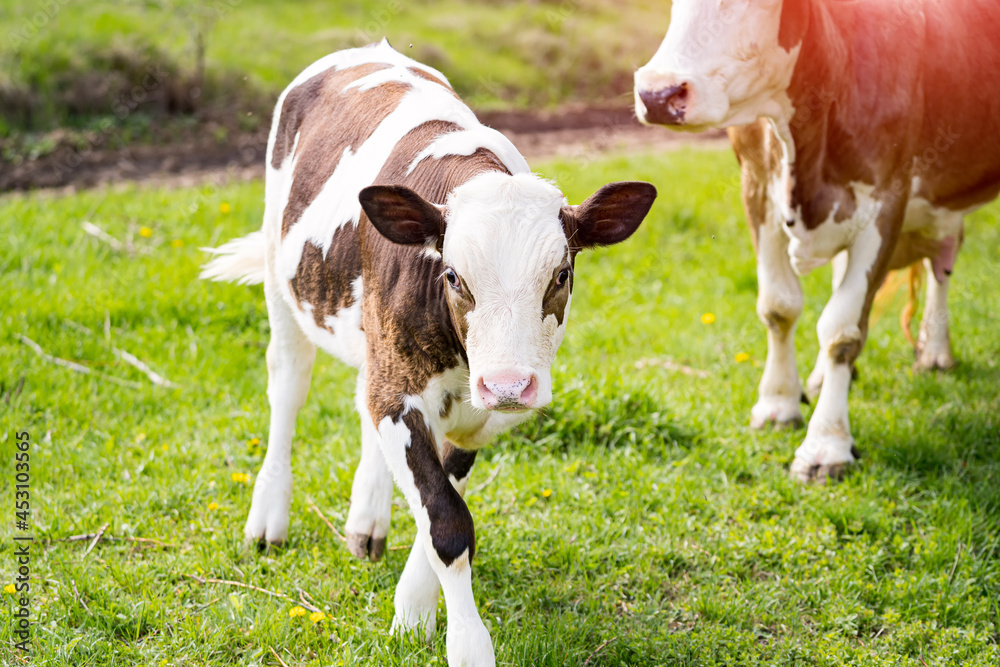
x=66, y=63
x=672, y=534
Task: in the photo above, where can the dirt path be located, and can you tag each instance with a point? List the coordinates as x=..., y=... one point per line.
x=582, y=133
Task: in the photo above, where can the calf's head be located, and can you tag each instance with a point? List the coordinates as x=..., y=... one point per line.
x=507, y=245
x=723, y=62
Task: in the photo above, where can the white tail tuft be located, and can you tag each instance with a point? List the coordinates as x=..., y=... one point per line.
x=240, y=261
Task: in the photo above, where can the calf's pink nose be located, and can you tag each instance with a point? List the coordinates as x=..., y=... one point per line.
x=508, y=390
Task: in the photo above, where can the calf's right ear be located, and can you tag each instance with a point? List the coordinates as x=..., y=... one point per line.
x=403, y=216
x=610, y=215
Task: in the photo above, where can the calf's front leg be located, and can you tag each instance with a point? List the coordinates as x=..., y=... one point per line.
x=418, y=588
x=444, y=530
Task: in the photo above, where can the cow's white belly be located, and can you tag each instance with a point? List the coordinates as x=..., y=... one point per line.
x=810, y=249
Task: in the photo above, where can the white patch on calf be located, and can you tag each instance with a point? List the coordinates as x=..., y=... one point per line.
x=467, y=142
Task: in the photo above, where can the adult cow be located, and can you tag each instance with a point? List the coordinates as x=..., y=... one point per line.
x=871, y=128
x=413, y=243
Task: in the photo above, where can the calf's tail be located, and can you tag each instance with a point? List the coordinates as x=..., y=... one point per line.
x=240, y=261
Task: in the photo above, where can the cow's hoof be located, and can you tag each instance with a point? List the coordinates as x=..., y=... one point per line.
x=365, y=546
x=469, y=645
x=934, y=358
x=823, y=458
x=780, y=412
x=267, y=522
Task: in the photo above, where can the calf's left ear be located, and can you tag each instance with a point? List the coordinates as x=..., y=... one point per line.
x=608, y=216
x=403, y=216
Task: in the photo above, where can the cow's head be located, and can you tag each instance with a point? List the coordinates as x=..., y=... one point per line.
x=723, y=62
x=507, y=245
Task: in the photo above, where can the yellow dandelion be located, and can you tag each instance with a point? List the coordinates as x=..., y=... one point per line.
x=212, y=506
x=165, y=448
x=145, y=232
x=177, y=243
x=224, y=207
x=707, y=318
x=254, y=441
x=241, y=477
x=9, y=589
x=742, y=357
x=546, y=493
x=317, y=616
x=295, y=612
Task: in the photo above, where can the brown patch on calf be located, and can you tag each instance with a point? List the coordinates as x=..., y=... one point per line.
x=353, y=114
x=326, y=283
x=305, y=100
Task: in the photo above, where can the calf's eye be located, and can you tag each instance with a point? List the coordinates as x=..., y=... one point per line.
x=562, y=277
x=452, y=279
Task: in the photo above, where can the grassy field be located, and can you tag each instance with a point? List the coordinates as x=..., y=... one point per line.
x=637, y=522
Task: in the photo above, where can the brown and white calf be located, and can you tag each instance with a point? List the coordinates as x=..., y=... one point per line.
x=413, y=243
x=871, y=129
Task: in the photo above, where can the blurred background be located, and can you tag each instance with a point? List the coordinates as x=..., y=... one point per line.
x=79, y=79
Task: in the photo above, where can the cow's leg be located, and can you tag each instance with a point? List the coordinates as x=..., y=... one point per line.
x=779, y=304
x=290, y=358
x=933, y=343
x=418, y=588
x=828, y=448
x=444, y=526
x=815, y=381
x=371, y=494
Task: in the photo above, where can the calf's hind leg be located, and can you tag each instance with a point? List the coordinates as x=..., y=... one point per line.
x=290, y=358
x=371, y=493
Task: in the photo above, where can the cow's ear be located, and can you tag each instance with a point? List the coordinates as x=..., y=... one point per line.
x=608, y=216
x=794, y=23
x=403, y=216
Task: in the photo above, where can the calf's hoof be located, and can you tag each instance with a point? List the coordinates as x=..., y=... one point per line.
x=365, y=546
x=469, y=645
x=824, y=458
x=778, y=411
x=415, y=618
x=267, y=521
